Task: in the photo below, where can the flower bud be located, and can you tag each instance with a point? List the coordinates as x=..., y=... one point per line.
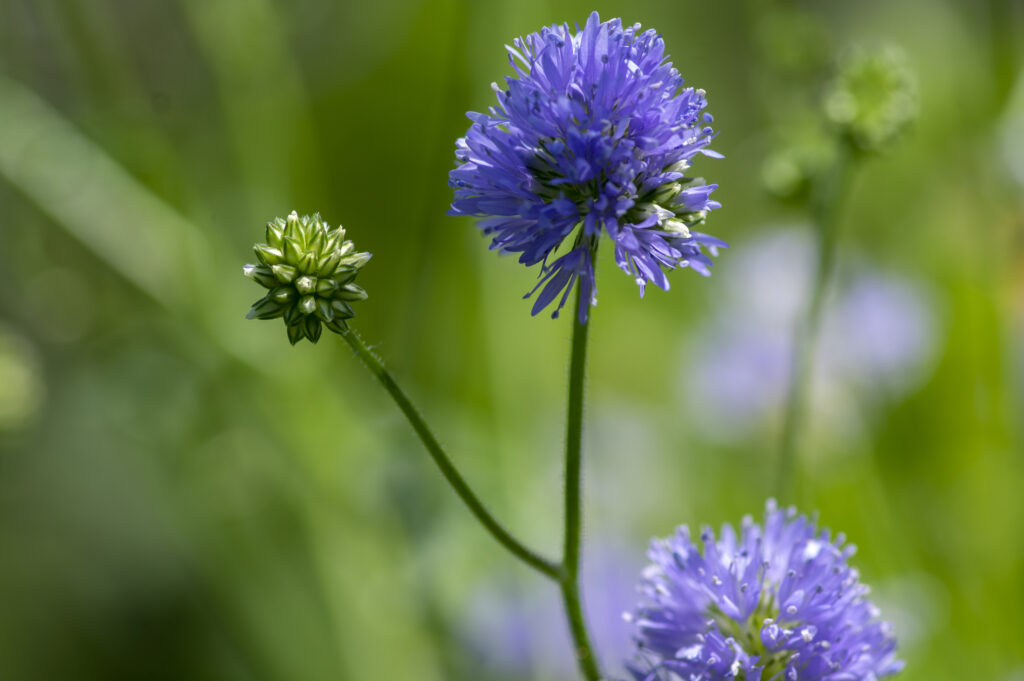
x=872, y=99
x=309, y=269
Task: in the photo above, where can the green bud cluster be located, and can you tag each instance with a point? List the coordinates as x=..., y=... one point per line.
x=309, y=270
x=873, y=98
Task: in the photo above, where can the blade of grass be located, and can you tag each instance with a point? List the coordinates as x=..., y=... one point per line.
x=80, y=187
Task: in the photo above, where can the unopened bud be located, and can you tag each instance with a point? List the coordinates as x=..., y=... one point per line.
x=873, y=98
x=309, y=269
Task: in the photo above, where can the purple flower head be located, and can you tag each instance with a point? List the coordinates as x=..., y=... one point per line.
x=776, y=602
x=593, y=134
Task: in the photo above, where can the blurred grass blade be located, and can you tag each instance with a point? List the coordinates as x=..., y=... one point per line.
x=264, y=102
x=90, y=195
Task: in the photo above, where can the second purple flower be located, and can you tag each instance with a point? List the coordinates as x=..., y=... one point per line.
x=594, y=134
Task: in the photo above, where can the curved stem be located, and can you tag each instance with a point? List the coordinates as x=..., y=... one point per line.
x=451, y=474
x=827, y=210
x=573, y=456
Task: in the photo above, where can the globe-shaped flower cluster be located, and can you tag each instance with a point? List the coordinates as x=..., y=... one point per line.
x=309, y=270
x=773, y=602
x=594, y=134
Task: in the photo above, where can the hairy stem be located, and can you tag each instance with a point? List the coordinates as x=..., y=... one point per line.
x=573, y=455
x=448, y=470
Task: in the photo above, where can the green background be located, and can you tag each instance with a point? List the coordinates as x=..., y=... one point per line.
x=185, y=496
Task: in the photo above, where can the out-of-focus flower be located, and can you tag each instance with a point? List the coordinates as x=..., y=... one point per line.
x=771, y=602
x=309, y=269
x=872, y=98
x=531, y=627
x=878, y=338
x=594, y=134
x=880, y=331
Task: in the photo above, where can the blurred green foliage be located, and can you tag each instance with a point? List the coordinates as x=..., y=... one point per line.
x=173, y=506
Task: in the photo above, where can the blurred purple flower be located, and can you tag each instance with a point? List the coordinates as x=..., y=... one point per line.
x=878, y=336
x=594, y=134
x=880, y=327
x=770, y=603
x=531, y=626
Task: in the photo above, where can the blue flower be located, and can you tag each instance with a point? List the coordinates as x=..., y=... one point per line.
x=878, y=342
x=777, y=602
x=593, y=134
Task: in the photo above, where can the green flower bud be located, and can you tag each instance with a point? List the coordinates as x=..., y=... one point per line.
x=325, y=309
x=275, y=237
x=667, y=203
x=263, y=276
x=350, y=292
x=326, y=287
x=309, y=269
x=307, y=304
x=305, y=284
x=282, y=294
x=284, y=273
x=265, y=308
x=268, y=255
x=677, y=227
x=872, y=99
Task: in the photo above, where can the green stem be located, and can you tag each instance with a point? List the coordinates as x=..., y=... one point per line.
x=827, y=211
x=574, y=445
x=573, y=454
x=578, y=626
x=1003, y=41
x=567, y=572
x=451, y=474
